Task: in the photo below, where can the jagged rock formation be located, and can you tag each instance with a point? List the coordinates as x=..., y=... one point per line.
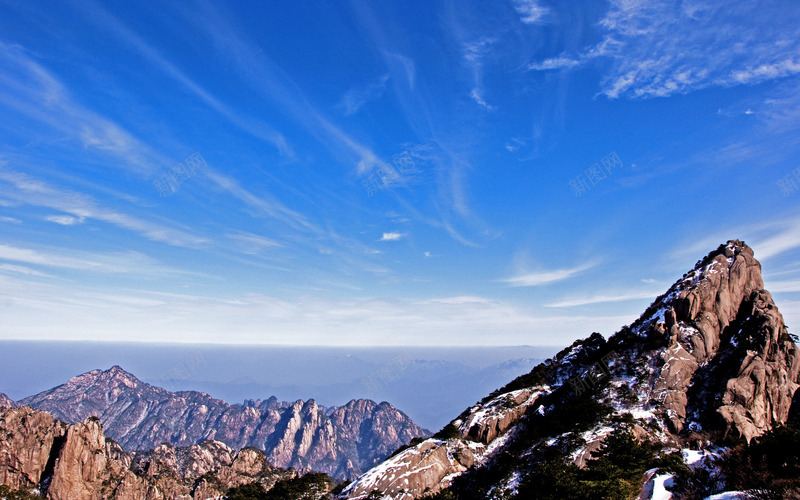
x=708, y=359
x=428, y=466
x=77, y=462
x=6, y=402
x=341, y=441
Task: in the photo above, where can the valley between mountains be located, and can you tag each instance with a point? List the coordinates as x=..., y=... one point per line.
x=695, y=399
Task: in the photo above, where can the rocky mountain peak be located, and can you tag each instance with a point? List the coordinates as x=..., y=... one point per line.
x=71, y=462
x=717, y=321
x=6, y=402
x=340, y=441
x=710, y=358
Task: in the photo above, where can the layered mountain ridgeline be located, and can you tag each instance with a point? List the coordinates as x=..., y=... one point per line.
x=340, y=441
x=687, y=398
x=42, y=456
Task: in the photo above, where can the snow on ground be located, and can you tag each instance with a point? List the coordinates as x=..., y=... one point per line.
x=660, y=485
x=691, y=457
x=729, y=495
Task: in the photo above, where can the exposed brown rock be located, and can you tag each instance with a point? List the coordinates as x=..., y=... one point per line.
x=713, y=346
x=77, y=462
x=700, y=308
x=26, y=438
x=488, y=421
x=6, y=402
x=341, y=441
x=761, y=393
x=419, y=470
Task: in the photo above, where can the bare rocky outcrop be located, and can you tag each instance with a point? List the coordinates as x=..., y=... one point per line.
x=760, y=394
x=429, y=466
x=341, y=441
x=724, y=328
x=6, y=402
x=26, y=440
x=710, y=357
x=419, y=470
x=77, y=462
x=487, y=421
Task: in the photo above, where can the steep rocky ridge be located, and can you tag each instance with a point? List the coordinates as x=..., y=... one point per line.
x=6, y=402
x=711, y=359
x=341, y=441
x=77, y=462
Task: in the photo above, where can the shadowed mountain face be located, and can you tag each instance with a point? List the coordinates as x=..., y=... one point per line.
x=341, y=441
x=708, y=363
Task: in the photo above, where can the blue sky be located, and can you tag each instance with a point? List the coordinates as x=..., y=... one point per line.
x=386, y=173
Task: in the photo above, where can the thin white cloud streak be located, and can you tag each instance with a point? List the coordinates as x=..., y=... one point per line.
x=129, y=262
x=275, y=86
x=784, y=240
x=37, y=310
x=22, y=270
x=256, y=128
x=604, y=299
x=264, y=203
x=64, y=220
x=546, y=277
x=783, y=286
x=37, y=94
x=474, y=54
x=392, y=236
x=356, y=98
x=658, y=48
x=415, y=102
x=253, y=244
x=29, y=191
x=531, y=11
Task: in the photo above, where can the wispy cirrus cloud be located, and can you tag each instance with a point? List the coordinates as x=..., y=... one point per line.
x=129, y=262
x=22, y=269
x=474, y=54
x=64, y=220
x=662, y=47
x=356, y=98
x=253, y=243
x=531, y=11
x=546, y=277
x=27, y=190
x=254, y=127
x=604, y=298
x=34, y=92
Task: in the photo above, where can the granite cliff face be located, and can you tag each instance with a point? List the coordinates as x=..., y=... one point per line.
x=6, y=402
x=709, y=360
x=341, y=441
x=77, y=462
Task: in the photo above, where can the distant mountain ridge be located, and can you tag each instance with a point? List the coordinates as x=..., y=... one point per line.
x=341, y=441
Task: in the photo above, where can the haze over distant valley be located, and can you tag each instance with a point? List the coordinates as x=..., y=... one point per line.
x=428, y=384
